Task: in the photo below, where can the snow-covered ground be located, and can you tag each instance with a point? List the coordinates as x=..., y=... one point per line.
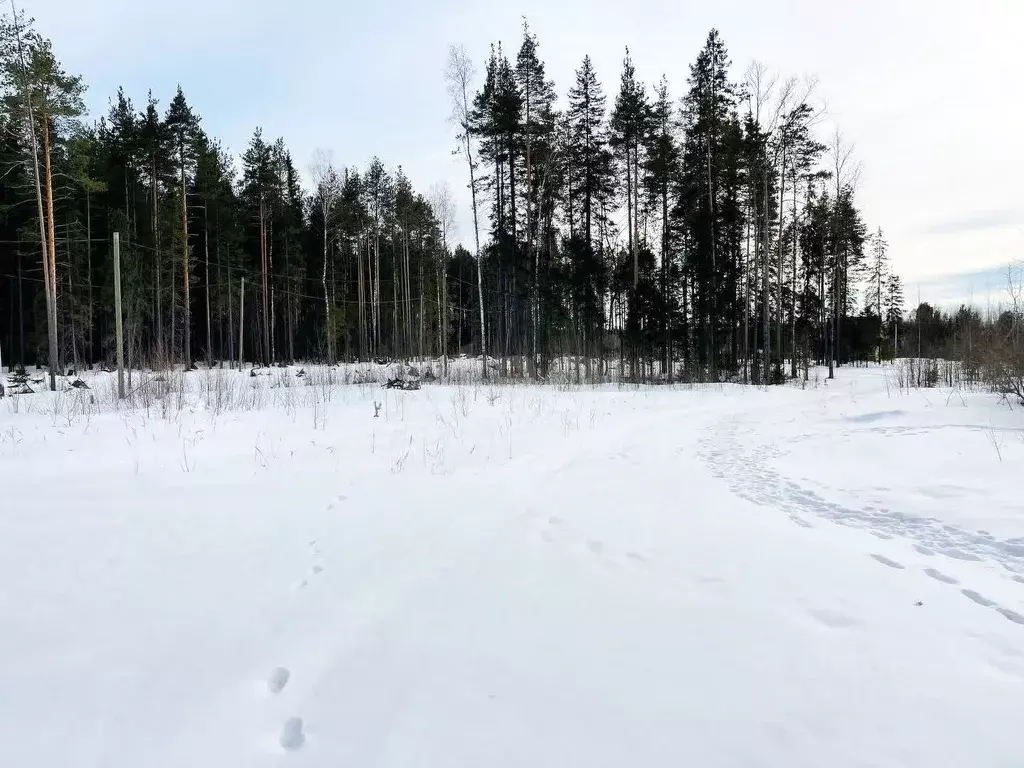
x=511, y=576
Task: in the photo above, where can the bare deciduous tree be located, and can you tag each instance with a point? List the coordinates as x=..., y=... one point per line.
x=459, y=75
x=327, y=188
x=443, y=206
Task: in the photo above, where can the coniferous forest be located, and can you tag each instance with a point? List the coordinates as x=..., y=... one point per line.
x=700, y=230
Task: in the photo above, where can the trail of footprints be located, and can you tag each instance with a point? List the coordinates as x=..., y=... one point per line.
x=742, y=466
x=970, y=594
x=293, y=733
x=553, y=529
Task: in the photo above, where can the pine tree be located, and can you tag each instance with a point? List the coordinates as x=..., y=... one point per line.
x=707, y=115
x=628, y=135
x=660, y=176
x=214, y=187
x=537, y=98
x=258, y=180
x=182, y=128
x=49, y=102
x=591, y=189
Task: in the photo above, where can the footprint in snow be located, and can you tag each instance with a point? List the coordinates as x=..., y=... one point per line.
x=596, y=547
x=958, y=554
x=832, y=619
x=940, y=576
x=970, y=594
x=292, y=735
x=278, y=679
x=1013, y=616
x=886, y=561
x=1006, y=613
x=636, y=557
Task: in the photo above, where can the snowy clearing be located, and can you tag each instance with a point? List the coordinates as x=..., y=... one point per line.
x=513, y=576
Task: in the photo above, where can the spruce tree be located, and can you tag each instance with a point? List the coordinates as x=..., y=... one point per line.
x=707, y=116
x=537, y=99
x=592, y=185
x=894, y=309
x=878, y=272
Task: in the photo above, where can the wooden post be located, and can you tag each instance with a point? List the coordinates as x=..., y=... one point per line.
x=117, y=316
x=241, y=324
x=209, y=327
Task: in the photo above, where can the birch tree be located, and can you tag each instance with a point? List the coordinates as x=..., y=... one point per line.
x=459, y=76
x=326, y=191
x=443, y=206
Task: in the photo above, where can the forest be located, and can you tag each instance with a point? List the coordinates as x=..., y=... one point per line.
x=696, y=231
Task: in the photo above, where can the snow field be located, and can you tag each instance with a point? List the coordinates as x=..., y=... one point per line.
x=510, y=576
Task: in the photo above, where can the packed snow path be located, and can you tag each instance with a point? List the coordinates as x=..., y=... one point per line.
x=517, y=577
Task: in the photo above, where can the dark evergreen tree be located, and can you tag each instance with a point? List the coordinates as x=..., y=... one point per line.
x=590, y=192
x=706, y=205
x=661, y=175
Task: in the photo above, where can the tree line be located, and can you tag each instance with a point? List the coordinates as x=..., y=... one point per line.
x=711, y=237
x=707, y=237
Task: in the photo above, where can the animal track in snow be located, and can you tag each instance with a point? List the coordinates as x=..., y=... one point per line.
x=886, y=561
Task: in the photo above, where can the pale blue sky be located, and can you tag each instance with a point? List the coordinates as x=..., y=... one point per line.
x=928, y=90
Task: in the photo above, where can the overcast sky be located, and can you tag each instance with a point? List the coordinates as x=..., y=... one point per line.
x=929, y=91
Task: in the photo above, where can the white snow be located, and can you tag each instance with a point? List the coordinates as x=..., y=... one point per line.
x=511, y=576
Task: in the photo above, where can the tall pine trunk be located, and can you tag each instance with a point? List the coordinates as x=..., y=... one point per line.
x=328, y=331
x=264, y=282
x=206, y=254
